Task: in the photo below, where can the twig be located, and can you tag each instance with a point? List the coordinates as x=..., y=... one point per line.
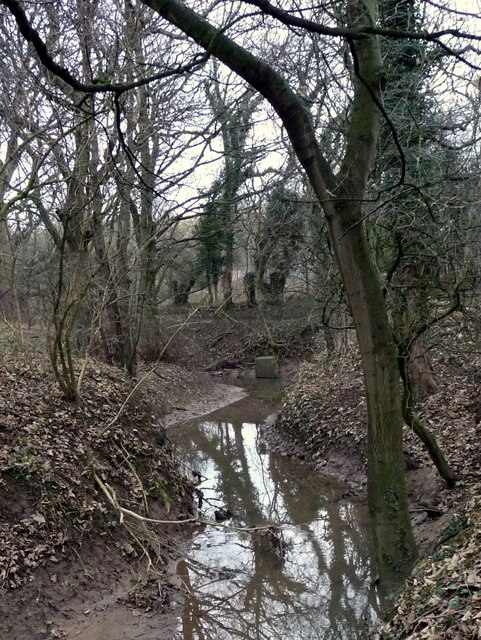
x=136, y=476
x=111, y=496
x=147, y=374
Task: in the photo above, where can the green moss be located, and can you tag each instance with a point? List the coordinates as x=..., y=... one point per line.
x=392, y=499
x=457, y=525
x=159, y=490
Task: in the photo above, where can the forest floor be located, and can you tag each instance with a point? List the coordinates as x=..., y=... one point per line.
x=67, y=564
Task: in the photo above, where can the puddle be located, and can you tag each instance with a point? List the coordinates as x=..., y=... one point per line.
x=303, y=573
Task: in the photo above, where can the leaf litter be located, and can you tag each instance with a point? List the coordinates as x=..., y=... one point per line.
x=50, y=504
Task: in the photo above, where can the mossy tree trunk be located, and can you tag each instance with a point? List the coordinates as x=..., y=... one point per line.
x=235, y=122
x=341, y=199
x=393, y=537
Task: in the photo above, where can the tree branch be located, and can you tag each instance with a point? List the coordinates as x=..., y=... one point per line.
x=31, y=35
x=268, y=82
x=358, y=33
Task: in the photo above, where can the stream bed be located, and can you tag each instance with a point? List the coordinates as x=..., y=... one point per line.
x=288, y=558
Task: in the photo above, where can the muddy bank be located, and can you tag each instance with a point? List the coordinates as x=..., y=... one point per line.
x=98, y=595
x=423, y=485
x=214, y=396
x=69, y=567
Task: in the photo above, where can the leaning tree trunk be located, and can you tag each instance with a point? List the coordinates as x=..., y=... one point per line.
x=413, y=422
x=341, y=199
x=388, y=504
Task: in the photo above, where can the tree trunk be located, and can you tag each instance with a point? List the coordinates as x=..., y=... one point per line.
x=416, y=425
x=341, y=199
x=10, y=309
x=7, y=271
x=250, y=289
x=277, y=283
x=228, y=265
x=123, y=280
x=393, y=537
x=181, y=290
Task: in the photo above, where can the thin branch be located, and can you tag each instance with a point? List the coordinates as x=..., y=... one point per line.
x=358, y=33
x=31, y=35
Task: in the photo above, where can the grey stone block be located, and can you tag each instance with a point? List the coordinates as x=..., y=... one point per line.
x=266, y=367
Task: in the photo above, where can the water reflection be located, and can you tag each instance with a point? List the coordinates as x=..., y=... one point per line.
x=239, y=584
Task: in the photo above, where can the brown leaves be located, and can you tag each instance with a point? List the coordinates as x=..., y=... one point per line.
x=443, y=597
x=324, y=409
x=48, y=499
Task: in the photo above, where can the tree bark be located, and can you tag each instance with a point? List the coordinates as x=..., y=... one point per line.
x=7, y=271
x=417, y=426
x=9, y=302
x=250, y=289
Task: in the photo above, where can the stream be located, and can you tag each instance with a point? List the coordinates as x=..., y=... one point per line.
x=293, y=561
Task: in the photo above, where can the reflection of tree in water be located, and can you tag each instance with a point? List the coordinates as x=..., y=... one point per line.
x=314, y=593
x=347, y=570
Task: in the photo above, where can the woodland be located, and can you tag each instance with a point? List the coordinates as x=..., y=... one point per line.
x=161, y=157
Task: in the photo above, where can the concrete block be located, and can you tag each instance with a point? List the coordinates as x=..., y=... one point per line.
x=266, y=367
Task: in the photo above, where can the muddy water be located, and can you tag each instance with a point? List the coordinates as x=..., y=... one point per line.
x=293, y=562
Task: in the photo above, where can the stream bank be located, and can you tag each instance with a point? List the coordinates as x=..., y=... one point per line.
x=82, y=575
x=323, y=419
x=95, y=581
x=68, y=567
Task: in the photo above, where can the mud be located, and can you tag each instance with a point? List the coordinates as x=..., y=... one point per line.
x=85, y=599
x=216, y=395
